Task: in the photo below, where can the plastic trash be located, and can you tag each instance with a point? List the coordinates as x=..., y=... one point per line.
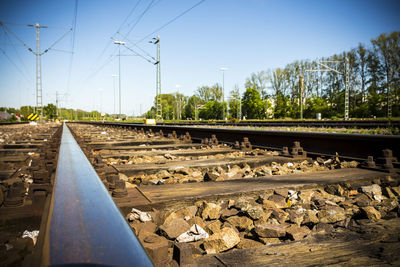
x=31, y=234
x=138, y=215
x=195, y=233
x=104, y=132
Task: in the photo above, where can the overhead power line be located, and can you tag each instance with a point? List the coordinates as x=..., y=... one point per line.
x=169, y=22
x=16, y=51
x=109, y=43
x=15, y=65
x=72, y=43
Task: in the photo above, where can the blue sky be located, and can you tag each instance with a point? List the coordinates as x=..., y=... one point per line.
x=244, y=36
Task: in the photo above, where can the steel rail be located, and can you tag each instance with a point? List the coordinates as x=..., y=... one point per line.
x=356, y=146
x=84, y=225
x=361, y=124
x=13, y=123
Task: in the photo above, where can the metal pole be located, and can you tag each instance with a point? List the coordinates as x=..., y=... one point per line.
x=301, y=96
x=39, y=104
x=389, y=102
x=158, y=81
x=346, y=101
x=114, y=91
x=119, y=75
x=57, y=103
x=223, y=94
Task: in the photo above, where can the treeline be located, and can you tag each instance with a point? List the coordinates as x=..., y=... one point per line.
x=374, y=88
x=50, y=112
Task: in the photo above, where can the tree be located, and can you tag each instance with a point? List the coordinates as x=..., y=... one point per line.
x=257, y=81
x=388, y=48
x=192, y=106
x=210, y=93
x=253, y=106
x=50, y=111
x=234, y=103
x=212, y=110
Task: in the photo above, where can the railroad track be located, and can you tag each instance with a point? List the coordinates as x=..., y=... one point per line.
x=359, y=124
x=238, y=196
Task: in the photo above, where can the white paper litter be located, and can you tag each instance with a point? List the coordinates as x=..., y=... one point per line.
x=292, y=194
x=290, y=164
x=195, y=233
x=104, y=132
x=137, y=214
x=31, y=234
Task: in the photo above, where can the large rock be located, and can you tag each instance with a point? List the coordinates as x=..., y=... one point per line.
x=296, y=216
x=374, y=190
x=187, y=213
x=163, y=174
x=197, y=220
x=279, y=214
x=270, y=230
x=242, y=204
x=335, y=189
x=222, y=241
x=241, y=222
x=226, y=213
x=371, y=213
x=255, y=212
x=296, y=232
x=211, y=176
x=331, y=214
x=213, y=227
x=388, y=193
x=279, y=201
x=174, y=228
x=268, y=204
x=281, y=192
x=362, y=200
x=306, y=196
x=209, y=211
x=310, y=217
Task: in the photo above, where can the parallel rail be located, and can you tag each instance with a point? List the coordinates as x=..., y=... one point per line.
x=356, y=146
x=84, y=224
x=360, y=124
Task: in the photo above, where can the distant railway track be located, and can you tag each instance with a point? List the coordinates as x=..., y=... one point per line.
x=232, y=183
x=357, y=146
x=359, y=124
x=12, y=123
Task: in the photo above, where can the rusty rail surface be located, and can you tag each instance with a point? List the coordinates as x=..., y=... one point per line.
x=355, y=146
x=84, y=225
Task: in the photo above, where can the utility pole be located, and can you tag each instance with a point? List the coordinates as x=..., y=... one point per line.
x=57, y=104
x=39, y=103
x=389, y=101
x=223, y=69
x=38, y=54
x=119, y=43
x=239, y=115
x=158, y=80
x=346, y=85
x=301, y=95
x=114, y=75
